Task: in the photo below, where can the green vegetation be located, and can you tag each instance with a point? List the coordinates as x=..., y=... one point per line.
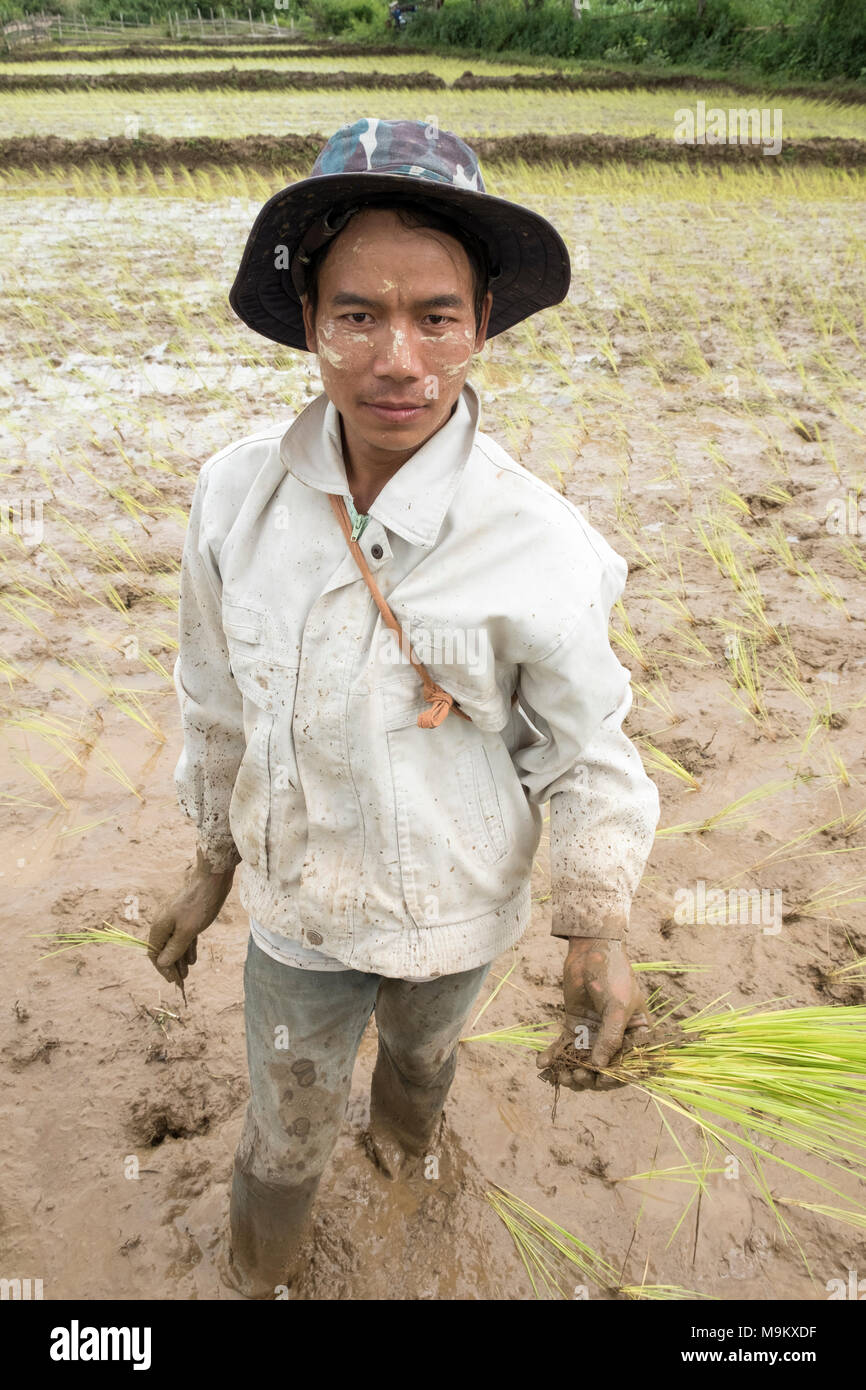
x=553, y=1257
x=812, y=39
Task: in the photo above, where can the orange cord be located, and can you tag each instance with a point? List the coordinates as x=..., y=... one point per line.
x=441, y=703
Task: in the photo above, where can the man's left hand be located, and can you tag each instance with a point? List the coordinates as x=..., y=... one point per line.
x=601, y=993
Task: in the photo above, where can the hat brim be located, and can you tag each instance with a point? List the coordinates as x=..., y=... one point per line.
x=534, y=267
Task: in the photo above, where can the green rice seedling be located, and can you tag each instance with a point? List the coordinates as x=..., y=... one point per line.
x=825, y=588
x=674, y=602
x=848, y=1218
x=853, y=554
x=752, y=1077
x=41, y=775
x=718, y=546
x=503, y=980
x=661, y=1293
x=793, y=848
x=855, y=969
x=8, y=799
x=656, y=760
x=788, y=671
x=553, y=1257
x=657, y=696
x=683, y=1172
x=714, y=452
x=729, y=497
x=624, y=637
x=629, y=532
x=732, y=817
x=777, y=495
x=106, y=935
x=11, y=672
x=826, y=903
x=61, y=733
x=125, y=700
x=777, y=541
x=754, y=604
x=838, y=770
x=747, y=693
x=535, y=1036
x=83, y=829
x=143, y=656
x=113, y=768
x=702, y=657
x=18, y=614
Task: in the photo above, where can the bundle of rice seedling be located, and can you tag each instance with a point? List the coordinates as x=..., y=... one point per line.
x=756, y=1077
x=107, y=934
x=536, y=1036
x=553, y=1257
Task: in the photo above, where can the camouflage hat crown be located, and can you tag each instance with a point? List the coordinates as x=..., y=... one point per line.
x=410, y=148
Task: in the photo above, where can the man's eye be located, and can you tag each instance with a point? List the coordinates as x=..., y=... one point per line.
x=437, y=320
x=356, y=317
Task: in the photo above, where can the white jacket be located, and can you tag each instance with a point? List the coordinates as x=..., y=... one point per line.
x=396, y=849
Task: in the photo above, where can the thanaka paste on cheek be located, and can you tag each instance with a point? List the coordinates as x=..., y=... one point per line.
x=334, y=359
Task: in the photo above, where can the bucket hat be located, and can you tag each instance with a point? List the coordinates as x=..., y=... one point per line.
x=529, y=264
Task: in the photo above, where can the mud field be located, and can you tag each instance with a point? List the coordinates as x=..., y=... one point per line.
x=700, y=395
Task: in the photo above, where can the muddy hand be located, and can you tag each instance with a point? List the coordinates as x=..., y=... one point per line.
x=604, y=1002
x=181, y=920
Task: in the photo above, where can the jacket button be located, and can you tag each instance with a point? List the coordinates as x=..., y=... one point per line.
x=376, y=551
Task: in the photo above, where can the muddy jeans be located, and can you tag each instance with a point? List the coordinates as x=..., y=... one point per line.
x=303, y=1030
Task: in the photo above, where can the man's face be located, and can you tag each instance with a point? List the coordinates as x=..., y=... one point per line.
x=394, y=331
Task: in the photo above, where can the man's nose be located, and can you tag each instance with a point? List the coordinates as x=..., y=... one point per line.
x=397, y=352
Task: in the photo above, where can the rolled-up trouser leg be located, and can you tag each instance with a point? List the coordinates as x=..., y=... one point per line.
x=303, y=1029
x=419, y=1029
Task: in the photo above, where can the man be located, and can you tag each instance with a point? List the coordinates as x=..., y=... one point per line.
x=393, y=653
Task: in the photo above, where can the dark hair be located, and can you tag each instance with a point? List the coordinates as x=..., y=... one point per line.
x=412, y=213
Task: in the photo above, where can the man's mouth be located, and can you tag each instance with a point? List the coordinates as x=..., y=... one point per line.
x=397, y=412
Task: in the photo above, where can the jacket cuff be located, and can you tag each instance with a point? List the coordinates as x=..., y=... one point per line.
x=598, y=913
x=220, y=855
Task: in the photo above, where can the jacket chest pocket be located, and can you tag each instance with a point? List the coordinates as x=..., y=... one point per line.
x=266, y=790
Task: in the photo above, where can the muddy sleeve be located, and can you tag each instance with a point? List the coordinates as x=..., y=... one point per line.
x=210, y=702
x=604, y=809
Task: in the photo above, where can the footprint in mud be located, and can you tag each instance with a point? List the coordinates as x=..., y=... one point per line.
x=202, y=1228
x=429, y=1235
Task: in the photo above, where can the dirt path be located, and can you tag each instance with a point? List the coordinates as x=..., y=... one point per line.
x=294, y=151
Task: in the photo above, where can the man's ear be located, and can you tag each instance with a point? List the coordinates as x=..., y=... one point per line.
x=309, y=324
x=481, y=335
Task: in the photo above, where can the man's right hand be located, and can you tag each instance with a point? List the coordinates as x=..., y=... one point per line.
x=180, y=921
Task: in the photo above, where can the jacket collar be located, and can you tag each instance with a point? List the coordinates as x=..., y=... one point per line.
x=415, y=501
